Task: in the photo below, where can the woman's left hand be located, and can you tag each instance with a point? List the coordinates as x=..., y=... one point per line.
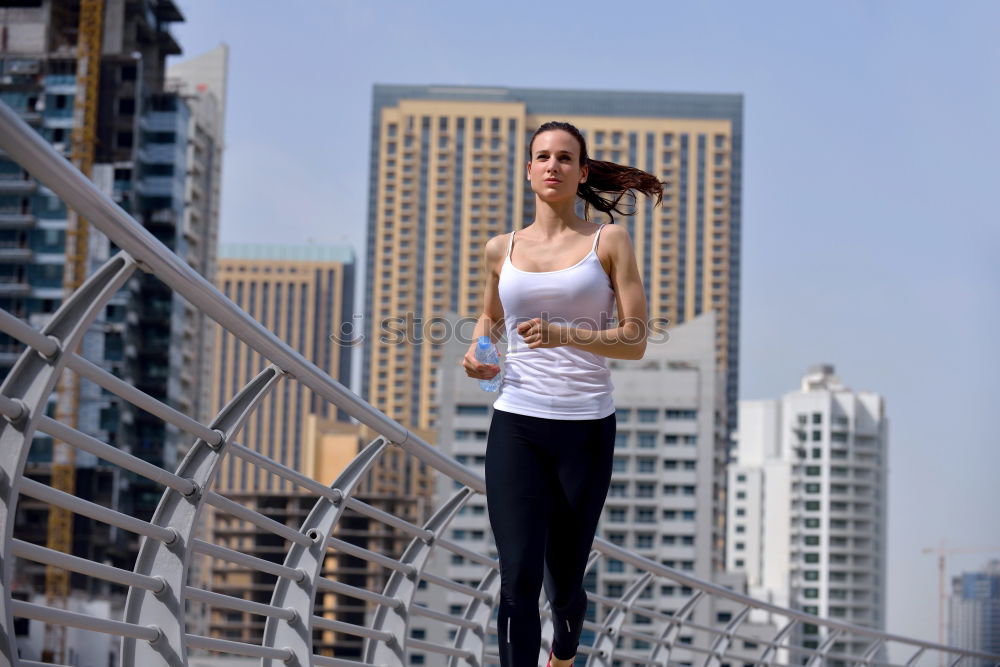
x=541, y=333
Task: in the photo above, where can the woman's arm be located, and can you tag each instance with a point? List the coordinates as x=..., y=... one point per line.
x=491, y=321
x=625, y=341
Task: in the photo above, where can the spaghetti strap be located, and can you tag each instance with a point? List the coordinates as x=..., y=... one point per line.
x=510, y=243
x=597, y=236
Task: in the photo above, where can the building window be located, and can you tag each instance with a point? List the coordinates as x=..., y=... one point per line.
x=817, y=418
x=647, y=415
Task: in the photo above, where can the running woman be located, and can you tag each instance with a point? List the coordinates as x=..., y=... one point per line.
x=552, y=287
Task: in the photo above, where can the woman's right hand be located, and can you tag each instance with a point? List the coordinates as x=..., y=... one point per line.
x=476, y=369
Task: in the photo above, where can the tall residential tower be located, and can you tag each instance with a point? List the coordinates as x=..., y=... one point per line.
x=807, y=503
x=447, y=173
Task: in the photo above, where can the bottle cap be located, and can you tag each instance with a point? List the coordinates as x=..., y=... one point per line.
x=484, y=341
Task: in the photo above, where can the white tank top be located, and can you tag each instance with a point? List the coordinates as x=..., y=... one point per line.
x=558, y=382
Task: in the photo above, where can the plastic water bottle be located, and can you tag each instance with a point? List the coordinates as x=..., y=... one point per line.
x=486, y=352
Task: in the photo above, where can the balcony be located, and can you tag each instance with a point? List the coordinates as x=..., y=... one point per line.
x=17, y=186
x=16, y=220
x=16, y=255
x=14, y=286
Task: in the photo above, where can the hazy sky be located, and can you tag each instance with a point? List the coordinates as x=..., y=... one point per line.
x=871, y=146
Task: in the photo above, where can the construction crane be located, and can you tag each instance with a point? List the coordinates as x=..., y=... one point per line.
x=943, y=552
x=84, y=138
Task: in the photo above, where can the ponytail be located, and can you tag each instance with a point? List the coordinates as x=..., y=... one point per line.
x=607, y=182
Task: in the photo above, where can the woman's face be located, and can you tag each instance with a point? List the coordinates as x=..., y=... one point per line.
x=554, y=167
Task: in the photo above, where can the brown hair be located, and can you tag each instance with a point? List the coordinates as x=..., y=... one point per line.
x=607, y=182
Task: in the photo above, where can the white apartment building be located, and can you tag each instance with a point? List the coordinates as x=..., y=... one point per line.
x=667, y=496
x=806, y=519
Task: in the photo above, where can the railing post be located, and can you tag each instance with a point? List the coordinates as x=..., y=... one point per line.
x=474, y=641
x=180, y=513
x=29, y=385
x=767, y=657
x=605, y=643
x=295, y=635
x=402, y=587
x=661, y=651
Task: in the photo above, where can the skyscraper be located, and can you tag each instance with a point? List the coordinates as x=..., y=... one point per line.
x=201, y=82
x=143, y=139
x=152, y=151
x=974, y=612
x=807, y=503
x=301, y=293
x=447, y=173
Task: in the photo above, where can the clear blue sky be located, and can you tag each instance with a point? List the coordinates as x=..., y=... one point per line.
x=871, y=146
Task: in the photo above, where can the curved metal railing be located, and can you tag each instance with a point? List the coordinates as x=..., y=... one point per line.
x=161, y=625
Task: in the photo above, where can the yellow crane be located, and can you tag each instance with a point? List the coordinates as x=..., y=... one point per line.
x=943, y=552
x=84, y=138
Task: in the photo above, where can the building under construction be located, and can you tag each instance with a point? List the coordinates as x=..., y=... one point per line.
x=154, y=143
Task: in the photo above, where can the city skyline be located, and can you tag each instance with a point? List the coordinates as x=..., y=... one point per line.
x=848, y=246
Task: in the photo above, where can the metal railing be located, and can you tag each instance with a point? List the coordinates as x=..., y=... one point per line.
x=157, y=627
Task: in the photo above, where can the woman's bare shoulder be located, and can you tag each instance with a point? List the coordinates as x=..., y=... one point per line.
x=615, y=235
x=496, y=249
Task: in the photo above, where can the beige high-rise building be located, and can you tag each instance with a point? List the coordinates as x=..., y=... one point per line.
x=302, y=294
x=447, y=173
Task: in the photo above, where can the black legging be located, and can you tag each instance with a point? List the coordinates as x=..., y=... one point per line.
x=546, y=483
